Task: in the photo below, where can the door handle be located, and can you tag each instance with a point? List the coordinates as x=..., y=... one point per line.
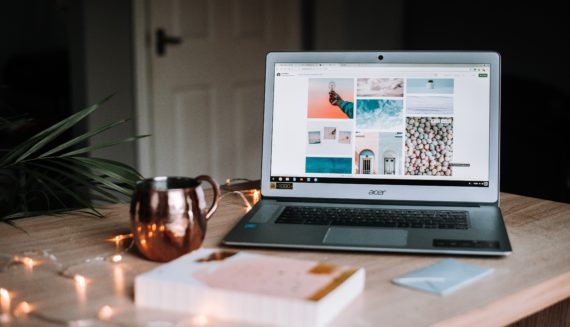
x=163, y=39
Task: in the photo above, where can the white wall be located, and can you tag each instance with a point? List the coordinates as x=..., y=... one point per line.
x=108, y=60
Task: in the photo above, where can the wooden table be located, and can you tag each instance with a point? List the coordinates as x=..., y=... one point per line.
x=534, y=277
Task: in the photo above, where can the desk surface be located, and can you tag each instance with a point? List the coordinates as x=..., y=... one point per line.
x=534, y=277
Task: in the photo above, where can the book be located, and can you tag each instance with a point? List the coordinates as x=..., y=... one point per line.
x=443, y=277
x=251, y=288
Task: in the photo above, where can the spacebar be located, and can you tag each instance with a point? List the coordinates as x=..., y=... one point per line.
x=363, y=223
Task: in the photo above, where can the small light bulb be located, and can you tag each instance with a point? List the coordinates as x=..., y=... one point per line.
x=5, y=318
x=255, y=196
x=29, y=262
x=80, y=280
x=117, y=258
x=4, y=294
x=22, y=309
x=105, y=313
x=161, y=228
x=5, y=301
x=200, y=320
x=332, y=86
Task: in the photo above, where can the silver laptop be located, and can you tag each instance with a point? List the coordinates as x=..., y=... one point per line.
x=380, y=151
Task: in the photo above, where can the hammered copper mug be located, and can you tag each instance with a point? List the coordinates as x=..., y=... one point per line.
x=169, y=215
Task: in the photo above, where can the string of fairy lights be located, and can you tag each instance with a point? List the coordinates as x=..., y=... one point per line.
x=29, y=259
x=26, y=259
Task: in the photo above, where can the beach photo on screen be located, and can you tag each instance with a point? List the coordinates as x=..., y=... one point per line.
x=380, y=87
x=384, y=115
x=320, y=104
x=314, y=137
x=429, y=105
x=344, y=137
x=430, y=86
x=330, y=133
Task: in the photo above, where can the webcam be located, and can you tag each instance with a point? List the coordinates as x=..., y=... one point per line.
x=380, y=57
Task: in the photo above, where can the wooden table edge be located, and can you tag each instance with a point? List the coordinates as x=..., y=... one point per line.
x=516, y=306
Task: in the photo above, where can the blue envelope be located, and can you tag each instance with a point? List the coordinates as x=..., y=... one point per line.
x=443, y=277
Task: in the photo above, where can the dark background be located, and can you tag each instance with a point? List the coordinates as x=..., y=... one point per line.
x=43, y=72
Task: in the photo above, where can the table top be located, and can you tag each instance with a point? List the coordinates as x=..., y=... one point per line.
x=534, y=277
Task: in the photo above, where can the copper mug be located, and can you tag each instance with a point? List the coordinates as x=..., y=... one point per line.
x=169, y=215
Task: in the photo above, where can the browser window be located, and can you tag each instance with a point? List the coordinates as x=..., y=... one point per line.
x=417, y=124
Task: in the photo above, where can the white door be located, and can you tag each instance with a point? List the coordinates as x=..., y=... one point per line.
x=389, y=166
x=366, y=162
x=207, y=92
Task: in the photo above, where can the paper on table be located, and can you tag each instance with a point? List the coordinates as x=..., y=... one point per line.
x=443, y=277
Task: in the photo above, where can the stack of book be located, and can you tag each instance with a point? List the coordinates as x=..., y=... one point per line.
x=252, y=288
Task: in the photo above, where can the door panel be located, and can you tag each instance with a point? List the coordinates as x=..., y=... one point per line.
x=192, y=127
x=207, y=92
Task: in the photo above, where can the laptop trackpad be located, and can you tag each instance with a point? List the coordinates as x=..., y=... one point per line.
x=365, y=236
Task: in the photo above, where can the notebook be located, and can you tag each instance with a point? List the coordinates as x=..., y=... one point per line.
x=380, y=151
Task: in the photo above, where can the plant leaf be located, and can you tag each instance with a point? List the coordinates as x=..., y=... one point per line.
x=81, y=138
x=46, y=187
x=82, y=201
x=39, y=140
x=117, y=178
x=52, y=212
x=53, y=175
x=125, y=170
x=14, y=123
x=102, y=146
x=95, y=178
x=85, y=178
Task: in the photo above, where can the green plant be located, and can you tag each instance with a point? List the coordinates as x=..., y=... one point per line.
x=42, y=176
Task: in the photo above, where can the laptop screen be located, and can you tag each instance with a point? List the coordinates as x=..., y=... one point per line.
x=381, y=123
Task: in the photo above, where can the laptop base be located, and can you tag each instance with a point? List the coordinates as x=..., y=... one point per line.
x=486, y=235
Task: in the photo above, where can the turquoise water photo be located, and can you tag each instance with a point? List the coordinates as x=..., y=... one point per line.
x=383, y=115
x=328, y=165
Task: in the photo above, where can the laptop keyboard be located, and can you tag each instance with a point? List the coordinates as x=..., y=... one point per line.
x=386, y=218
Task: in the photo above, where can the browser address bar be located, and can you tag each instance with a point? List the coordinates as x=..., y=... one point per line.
x=378, y=73
x=395, y=69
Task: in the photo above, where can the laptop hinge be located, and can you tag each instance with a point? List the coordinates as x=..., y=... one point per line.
x=375, y=202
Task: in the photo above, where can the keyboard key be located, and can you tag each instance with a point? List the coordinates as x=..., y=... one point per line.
x=383, y=218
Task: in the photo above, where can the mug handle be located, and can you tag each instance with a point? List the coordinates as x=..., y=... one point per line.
x=216, y=189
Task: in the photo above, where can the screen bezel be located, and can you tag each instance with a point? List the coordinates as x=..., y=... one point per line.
x=488, y=194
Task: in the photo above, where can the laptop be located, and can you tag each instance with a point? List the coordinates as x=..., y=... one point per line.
x=380, y=151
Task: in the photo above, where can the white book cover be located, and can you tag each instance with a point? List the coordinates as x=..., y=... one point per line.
x=246, y=287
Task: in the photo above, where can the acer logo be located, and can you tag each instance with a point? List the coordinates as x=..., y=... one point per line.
x=376, y=192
